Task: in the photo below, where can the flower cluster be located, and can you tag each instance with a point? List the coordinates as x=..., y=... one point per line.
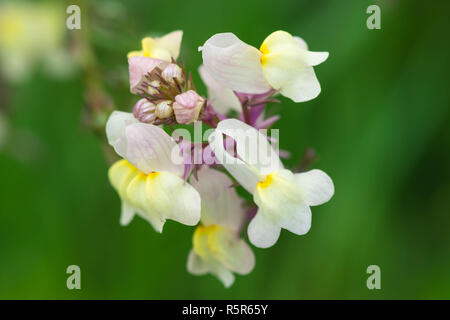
x=156, y=178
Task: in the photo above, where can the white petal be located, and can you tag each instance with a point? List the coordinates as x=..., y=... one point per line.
x=246, y=175
x=296, y=218
x=231, y=251
x=280, y=201
x=222, y=99
x=127, y=213
x=301, y=42
x=315, y=58
x=316, y=186
x=224, y=275
x=173, y=198
x=115, y=130
x=219, y=201
x=234, y=64
x=139, y=66
x=150, y=148
x=312, y=58
x=252, y=146
x=196, y=265
x=303, y=86
x=262, y=231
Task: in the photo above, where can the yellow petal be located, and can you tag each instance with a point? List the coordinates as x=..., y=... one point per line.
x=139, y=53
x=138, y=197
x=173, y=198
x=164, y=48
x=120, y=175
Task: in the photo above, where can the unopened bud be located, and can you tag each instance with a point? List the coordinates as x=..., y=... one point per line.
x=144, y=111
x=153, y=87
x=164, y=109
x=187, y=107
x=171, y=72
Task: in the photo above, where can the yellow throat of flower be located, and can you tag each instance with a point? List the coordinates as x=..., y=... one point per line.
x=266, y=182
x=204, y=240
x=265, y=51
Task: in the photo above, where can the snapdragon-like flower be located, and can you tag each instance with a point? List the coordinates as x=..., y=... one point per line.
x=164, y=48
x=283, y=198
x=150, y=178
x=217, y=248
x=282, y=63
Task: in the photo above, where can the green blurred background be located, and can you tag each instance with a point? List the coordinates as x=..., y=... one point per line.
x=380, y=128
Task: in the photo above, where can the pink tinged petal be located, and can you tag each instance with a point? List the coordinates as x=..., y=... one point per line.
x=316, y=186
x=252, y=146
x=187, y=107
x=150, y=149
x=222, y=99
x=115, y=130
x=139, y=66
x=234, y=64
x=171, y=72
x=220, y=203
x=243, y=173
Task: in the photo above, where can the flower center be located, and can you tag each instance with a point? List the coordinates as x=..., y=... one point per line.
x=266, y=182
x=203, y=240
x=265, y=51
x=153, y=174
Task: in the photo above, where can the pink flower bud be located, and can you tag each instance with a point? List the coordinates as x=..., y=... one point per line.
x=187, y=107
x=171, y=72
x=144, y=111
x=164, y=109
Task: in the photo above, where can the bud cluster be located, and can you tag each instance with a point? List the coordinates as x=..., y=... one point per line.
x=168, y=97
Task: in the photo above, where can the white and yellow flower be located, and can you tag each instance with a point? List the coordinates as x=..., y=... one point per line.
x=149, y=179
x=283, y=198
x=283, y=63
x=217, y=248
x=164, y=48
